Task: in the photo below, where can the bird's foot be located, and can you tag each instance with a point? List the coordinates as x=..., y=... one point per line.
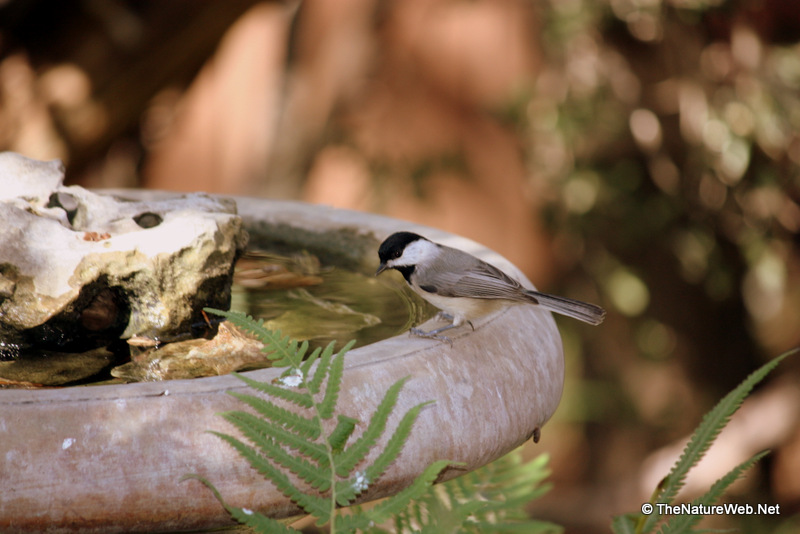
x=444, y=316
x=433, y=334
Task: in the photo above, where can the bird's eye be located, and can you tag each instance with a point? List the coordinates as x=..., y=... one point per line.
x=396, y=254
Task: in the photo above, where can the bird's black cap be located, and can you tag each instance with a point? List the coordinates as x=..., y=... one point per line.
x=394, y=245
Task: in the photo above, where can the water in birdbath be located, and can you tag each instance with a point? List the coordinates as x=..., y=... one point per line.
x=295, y=294
x=307, y=301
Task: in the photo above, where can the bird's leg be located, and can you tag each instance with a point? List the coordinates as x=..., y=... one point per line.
x=434, y=334
x=418, y=332
x=443, y=316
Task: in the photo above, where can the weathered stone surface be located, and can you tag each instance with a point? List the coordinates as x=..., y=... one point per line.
x=54, y=368
x=78, y=268
x=230, y=350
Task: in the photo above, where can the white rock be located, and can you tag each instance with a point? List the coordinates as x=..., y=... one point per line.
x=74, y=262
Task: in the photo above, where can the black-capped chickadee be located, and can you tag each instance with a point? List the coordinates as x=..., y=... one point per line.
x=465, y=287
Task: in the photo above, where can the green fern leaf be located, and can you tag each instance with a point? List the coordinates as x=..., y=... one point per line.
x=385, y=509
x=532, y=526
x=463, y=510
x=342, y=432
x=710, y=427
x=310, y=473
x=348, y=490
x=260, y=431
x=299, y=353
x=334, y=383
x=316, y=506
x=246, y=323
x=705, y=434
x=243, y=321
x=283, y=442
x=400, y=501
x=260, y=523
x=718, y=488
x=680, y=524
x=476, y=502
x=255, y=520
x=281, y=351
x=395, y=443
x=308, y=362
x=506, y=487
x=350, y=457
x=322, y=369
x=303, y=400
x=303, y=426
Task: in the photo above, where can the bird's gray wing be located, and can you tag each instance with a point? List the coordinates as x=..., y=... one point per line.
x=467, y=276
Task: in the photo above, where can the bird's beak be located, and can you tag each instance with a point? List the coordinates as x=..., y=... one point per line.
x=382, y=268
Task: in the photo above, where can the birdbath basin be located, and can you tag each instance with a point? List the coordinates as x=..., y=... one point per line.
x=111, y=458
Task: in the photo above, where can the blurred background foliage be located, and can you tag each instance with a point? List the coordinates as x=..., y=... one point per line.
x=642, y=154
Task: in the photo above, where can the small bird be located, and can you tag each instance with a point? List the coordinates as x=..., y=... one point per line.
x=464, y=287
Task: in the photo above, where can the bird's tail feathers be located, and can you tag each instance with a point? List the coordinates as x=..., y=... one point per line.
x=582, y=311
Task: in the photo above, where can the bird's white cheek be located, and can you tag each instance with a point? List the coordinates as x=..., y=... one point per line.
x=419, y=252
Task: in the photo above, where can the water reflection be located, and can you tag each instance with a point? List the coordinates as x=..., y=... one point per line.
x=323, y=303
x=294, y=294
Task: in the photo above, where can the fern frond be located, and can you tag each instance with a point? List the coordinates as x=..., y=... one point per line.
x=476, y=501
x=303, y=426
x=350, y=457
x=294, y=452
x=342, y=432
x=255, y=520
x=395, y=443
x=281, y=350
x=334, y=383
x=301, y=399
x=259, y=432
x=710, y=427
x=507, y=485
x=511, y=468
x=531, y=526
x=385, y=509
x=347, y=490
x=683, y=523
x=299, y=353
x=245, y=322
x=305, y=368
x=259, y=522
x=311, y=474
x=718, y=488
x=705, y=434
x=317, y=506
x=322, y=369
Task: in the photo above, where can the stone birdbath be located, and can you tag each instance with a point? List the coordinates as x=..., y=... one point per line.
x=111, y=458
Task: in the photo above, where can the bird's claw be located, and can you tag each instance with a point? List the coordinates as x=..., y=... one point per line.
x=430, y=335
